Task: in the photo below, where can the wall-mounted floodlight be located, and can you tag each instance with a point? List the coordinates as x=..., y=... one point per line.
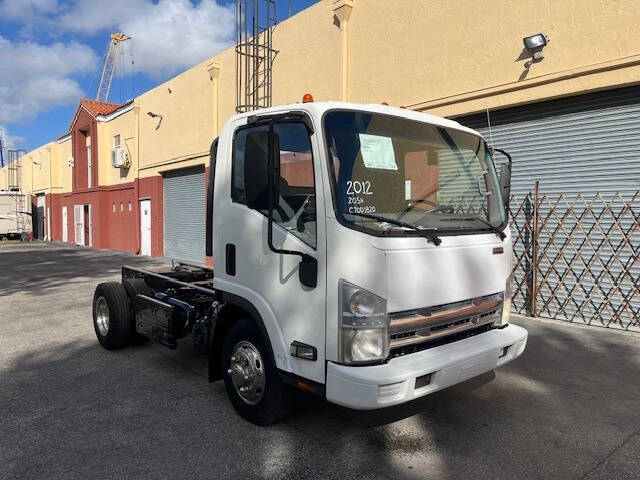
x=535, y=43
x=156, y=115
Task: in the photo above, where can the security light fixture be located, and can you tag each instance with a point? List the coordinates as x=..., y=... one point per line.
x=158, y=116
x=535, y=43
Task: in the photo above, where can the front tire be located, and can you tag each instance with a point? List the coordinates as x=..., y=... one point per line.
x=251, y=377
x=112, y=315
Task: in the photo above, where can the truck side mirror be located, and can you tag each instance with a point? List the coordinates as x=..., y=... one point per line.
x=505, y=183
x=257, y=169
x=505, y=176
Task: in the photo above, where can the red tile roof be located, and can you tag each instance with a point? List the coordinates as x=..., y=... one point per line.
x=99, y=108
x=95, y=108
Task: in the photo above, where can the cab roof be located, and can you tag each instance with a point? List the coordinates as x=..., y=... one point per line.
x=318, y=109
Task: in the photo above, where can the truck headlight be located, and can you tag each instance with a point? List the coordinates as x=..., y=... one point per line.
x=363, y=325
x=506, y=303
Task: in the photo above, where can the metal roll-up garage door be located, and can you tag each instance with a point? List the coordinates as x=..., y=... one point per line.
x=583, y=144
x=184, y=214
x=585, y=153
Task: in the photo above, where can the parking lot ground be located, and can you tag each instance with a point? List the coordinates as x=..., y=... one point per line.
x=569, y=408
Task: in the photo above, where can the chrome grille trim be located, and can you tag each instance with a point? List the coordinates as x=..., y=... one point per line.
x=425, y=324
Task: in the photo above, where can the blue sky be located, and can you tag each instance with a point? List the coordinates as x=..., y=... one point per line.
x=51, y=52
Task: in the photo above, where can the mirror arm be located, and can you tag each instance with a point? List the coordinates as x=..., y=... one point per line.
x=270, y=189
x=499, y=150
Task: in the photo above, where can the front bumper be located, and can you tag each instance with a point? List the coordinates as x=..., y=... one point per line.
x=378, y=386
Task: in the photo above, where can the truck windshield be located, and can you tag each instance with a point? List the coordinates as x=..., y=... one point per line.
x=434, y=178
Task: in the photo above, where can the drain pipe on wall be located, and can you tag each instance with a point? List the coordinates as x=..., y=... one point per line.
x=137, y=195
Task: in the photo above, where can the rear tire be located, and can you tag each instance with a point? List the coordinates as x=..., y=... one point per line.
x=268, y=399
x=112, y=315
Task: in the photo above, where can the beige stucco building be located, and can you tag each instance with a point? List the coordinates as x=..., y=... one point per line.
x=448, y=58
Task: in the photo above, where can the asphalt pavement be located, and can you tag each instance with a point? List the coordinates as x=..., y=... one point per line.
x=569, y=408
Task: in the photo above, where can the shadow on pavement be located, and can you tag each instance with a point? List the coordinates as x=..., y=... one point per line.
x=77, y=410
x=69, y=409
x=37, y=270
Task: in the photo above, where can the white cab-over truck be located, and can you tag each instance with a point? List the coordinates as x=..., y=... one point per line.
x=362, y=253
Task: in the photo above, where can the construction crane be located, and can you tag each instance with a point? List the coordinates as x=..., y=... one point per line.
x=110, y=61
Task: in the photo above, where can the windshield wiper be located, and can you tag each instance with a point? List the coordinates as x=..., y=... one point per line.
x=429, y=236
x=494, y=229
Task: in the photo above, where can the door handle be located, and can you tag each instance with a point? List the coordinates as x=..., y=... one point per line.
x=230, y=259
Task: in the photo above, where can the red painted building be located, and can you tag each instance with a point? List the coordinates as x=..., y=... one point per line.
x=116, y=210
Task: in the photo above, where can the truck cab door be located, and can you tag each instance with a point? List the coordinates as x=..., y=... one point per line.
x=245, y=266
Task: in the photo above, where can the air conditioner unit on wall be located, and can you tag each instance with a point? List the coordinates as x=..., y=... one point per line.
x=120, y=158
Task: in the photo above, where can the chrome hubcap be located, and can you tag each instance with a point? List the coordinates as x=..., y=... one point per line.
x=102, y=316
x=247, y=372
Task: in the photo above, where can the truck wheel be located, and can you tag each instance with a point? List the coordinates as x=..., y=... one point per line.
x=112, y=315
x=133, y=287
x=251, y=377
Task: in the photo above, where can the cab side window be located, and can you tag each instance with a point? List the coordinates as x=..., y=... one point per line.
x=296, y=207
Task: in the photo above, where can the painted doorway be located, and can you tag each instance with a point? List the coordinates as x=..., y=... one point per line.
x=88, y=233
x=65, y=232
x=38, y=224
x=78, y=222
x=145, y=227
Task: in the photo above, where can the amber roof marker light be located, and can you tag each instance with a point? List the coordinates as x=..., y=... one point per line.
x=307, y=98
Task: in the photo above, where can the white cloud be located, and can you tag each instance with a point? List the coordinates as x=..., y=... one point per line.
x=27, y=9
x=91, y=16
x=174, y=35
x=35, y=78
x=168, y=37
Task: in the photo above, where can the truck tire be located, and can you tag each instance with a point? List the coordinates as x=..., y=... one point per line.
x=133, y=287
x=112, y=315
x=251, y=377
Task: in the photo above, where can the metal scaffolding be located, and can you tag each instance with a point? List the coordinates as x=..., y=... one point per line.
x=14, y=170
x=255, y=21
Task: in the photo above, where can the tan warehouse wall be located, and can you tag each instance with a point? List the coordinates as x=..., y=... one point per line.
x=40, y=169
x=196, y=104
x=449, y=58
x=125, y=125
x=4, y=178
x=464, y=56
x=65, y=180
x=186, y=128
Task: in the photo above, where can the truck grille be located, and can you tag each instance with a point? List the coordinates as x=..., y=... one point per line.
x=429, y=324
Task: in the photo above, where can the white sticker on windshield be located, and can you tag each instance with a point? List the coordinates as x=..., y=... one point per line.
x=377, y=152
x=407, y=189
